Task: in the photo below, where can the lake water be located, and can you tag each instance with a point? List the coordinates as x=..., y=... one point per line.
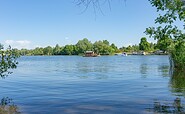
x=99, y=85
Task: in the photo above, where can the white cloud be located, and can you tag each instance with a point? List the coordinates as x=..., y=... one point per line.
x=19, y=44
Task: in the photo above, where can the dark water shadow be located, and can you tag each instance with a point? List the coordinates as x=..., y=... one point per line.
x=164, y=70
x=144, y=70
x=86, y=67
x=177, y=88
x=177, y=83
x=91, y=70
x=7, y=106
x=174, y=107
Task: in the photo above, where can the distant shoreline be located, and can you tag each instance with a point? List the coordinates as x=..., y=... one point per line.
x=101, y=55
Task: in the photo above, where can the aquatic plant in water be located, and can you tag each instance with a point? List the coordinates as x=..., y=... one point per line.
x=7, y=106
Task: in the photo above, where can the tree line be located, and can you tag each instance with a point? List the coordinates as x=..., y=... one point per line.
x=100, y=47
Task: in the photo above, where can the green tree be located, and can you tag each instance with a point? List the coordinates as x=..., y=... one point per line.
x=106, y=42
x=68, y=50
x=102, y=48
x=57, y=50
x=48, y=50
x=8, y=60
x=38, y=51
x=115, y=48
x=24, y=52
x=122, y=49
x=97, y=46
x=168, y=33
x=153, y=47
x=129, y=49
x=135, y=47
x=164, y=44
x=144, y=45
x=84, y=45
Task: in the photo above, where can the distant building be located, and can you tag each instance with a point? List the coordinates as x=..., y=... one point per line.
x=90, y=54
x=139, y=53
x=159, y=52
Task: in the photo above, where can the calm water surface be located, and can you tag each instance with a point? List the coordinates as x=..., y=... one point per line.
x=102, y=85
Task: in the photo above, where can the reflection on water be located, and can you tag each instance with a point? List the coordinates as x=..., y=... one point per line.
x=164, y=69
x=143, y=69
x=88, y=108
x=177, y=86
x=177, y=83
x=175, y=107
x=7, y=106
x=92, y=66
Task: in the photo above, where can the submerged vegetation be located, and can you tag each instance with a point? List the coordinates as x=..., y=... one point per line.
x=7, y=106
x=166, y=107
x=177, y=82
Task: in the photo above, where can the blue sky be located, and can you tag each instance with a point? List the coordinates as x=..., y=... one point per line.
x=32, y=23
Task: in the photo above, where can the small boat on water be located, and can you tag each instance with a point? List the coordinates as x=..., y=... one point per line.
x=124, y=54
x=90, y=54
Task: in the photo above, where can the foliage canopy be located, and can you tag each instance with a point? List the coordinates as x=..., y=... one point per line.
x=8, y=60
x=170, y=37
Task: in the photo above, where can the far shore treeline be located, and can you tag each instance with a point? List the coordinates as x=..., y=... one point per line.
x=100, y=47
